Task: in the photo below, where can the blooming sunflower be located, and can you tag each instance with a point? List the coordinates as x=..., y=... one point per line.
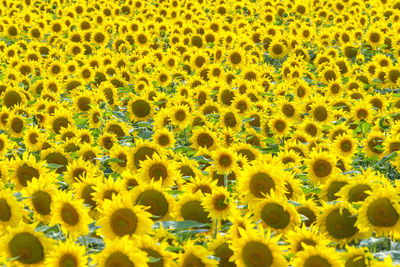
x=224, y=160
x=333, y=186
x=380, y=212
x=120, y=218
x=25, y=169
x=11, y=210
x=70, y=213
x=78, y=169
x=218, y=204
x=310, y=236
x=317, y=256
x=259, y=180
x=189, y=207
x=106, y=189
x=160, y=204
x=357, y=256
x=157, y=250
x=124, y=158
x=40, y=194
x=276, y=213
x=338, y=221
x=25, y=245
x=159, y=168
x=34, y=138
x=256, y=248
x=67, y=253
x=139, y=109
x=321, y=166
x=121, y=252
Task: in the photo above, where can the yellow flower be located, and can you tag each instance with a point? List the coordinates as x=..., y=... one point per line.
x=70, y=213
x=317, y=256
x=224, y=160
x=27, y=246
x=159, y=168
x=120, y=218
x=321, y=166
x=380, y=213
x=11, y=210
x=309, y=236
x=218, y=204
x=68, y=253
x=195, y=255
x=189, y=207
x=256, y=248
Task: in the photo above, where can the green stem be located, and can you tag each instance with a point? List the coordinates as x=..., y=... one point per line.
x=216, y=228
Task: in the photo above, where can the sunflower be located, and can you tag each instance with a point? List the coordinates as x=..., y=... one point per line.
x=357, y=256
x=221, y=249
x=121, y=252
x=190, y=207
x=230, y=119
x=279, y=125
x=374, y=37
x=34, y=138
x=345, y=145
x=61, y=118
x=180, y=116
x=224, y=160
x=143, y=150
x=380, y=212
x=77, y=170
x=333, y=186
x=25, y=245
x=39, y=196
x=139, y=109
x=373, y=143
x=256, y=248
x=16, y=125
x=160, y=204
x=317, y=256
x=164, y=138
x=309, y=210
x=25, y=169
x=107, y=140
x=309, y=236
x=120, y=218
x=201, y=183
x=218, y=204
x=338, y=221
x=70, y=213
x=236, y=58
x=11, y=210
x=321, y=166
x=277, y=214
x=4, y=145
x=67, y=253
x=119, y=128
x=157, y=250
x=124, y=158
x=195, y=255
x=205, y=138
x=56, y=155
x=106, y=189
x=159, y=168
x=277, y=49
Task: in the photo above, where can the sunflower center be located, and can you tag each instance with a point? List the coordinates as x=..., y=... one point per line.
x=280, y=125
x=41, y=202
x=140, y=108
x=69, y=214
x=33, y=138
x=220, y=202
x=78, y=173
x=192, y=260
x=277, y=49
x=68, y=260
x=305, y=241
x=142, y=154
x=235, y=58
x=223, y=252
x=87, y=196
x=230, y=120
x=158, y=171
x=316, y=261
x=260, y=184
x=83, y=103
x=225, y=160
x=155, y=200
x=59, y=123
x=5, y=210
x=356, y=261
x=123, y=222
x=374, y=144
x=205, y=189
x=180, y=115
x=27, y=248
x=381, y=213
x=322, y=168
x=257, y=254
x=358, y=192
x=346, y=145
x=341, y=224
x=17, y=125
x=320, y=113
x=374, y=37
x=118, y=259
x=275, y=216
x=205, y=140
x=11, y=98
x=163, y=140
x=193, y=210
x=57, y=158
x=333, y=189
x=307, y=212
x=152, y=253
x=311, y=129
x=25, y=173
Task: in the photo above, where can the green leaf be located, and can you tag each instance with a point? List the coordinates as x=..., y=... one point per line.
x=153, y=260
x=54, y=166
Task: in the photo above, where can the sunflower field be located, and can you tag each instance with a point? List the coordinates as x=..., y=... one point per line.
x=257, y=133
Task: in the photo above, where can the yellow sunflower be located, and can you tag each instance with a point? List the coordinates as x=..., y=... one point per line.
x=68, y=253
x=120, y=218
x=310, y=236
x=321, y=166
x=218, y=204
x=11, y=210
x=257, y=248
x=317, y=256
x=195, y=255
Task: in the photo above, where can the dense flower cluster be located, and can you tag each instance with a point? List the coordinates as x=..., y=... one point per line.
x=199, y=133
